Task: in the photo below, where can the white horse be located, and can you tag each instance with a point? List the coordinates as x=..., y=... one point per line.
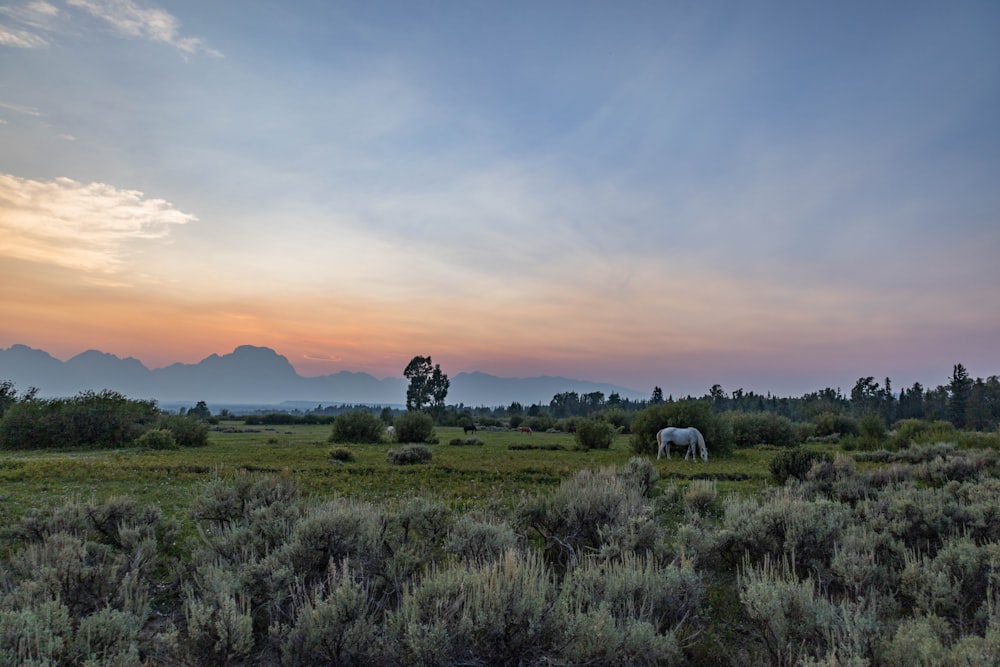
x=691, y=437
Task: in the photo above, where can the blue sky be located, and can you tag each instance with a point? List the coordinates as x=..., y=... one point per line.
x=777, y=196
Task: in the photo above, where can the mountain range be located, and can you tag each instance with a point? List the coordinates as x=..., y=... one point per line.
x=259, y=376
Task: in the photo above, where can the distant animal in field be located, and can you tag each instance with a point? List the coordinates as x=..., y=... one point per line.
x=391, y=431
x=469, y=428
x=682, y=437
x=524, y=429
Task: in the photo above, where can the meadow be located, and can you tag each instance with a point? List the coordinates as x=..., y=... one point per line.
x=262, y=548
x=505, y=466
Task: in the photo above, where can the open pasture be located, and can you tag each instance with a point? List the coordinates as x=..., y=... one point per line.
x=494, y=474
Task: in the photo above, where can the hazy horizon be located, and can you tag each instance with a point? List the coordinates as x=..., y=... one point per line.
x=778, y=197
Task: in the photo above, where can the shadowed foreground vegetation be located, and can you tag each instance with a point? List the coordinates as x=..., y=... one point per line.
x=273, y=546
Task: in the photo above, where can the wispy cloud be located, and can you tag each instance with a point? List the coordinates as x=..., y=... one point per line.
x=29, y=111
x=21, y=39
x=78, y=226
x=31, y=19
x=31, y=25
x=145, y=22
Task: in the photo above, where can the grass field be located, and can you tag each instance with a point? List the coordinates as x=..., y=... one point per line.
x=489, y=475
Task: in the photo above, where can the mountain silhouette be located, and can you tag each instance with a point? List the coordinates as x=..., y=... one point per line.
x=251, y=375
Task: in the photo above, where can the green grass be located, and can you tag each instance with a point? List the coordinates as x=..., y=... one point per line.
x=490, y=475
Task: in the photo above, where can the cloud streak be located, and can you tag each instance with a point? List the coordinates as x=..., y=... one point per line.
x=31, y=25
x=150, y=23
x=78, y=226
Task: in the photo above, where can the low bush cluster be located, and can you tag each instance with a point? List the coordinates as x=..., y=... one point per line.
x=409, y=454
x=89, y=420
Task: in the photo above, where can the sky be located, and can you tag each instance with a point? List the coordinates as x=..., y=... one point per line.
x=771, y=196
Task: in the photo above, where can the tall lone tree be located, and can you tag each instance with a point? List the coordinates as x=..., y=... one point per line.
x=959, y=390
x=428, y=385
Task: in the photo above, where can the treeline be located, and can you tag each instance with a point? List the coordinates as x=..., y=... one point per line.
x=964, y=402
x=92, y=420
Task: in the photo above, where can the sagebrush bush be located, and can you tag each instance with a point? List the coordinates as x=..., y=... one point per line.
x=784, y=525
x=498, y=612
x=636, y=587
x=798, y=625
x=640, y=473
x=473, y=538
x=954, y=584
x=358, y=426
x=700, y=496
x=795, y=462
x=591, y=512
x=409, y=455
x=594, y=434
x=334, y=624
x=78, y=585
x=344, y=531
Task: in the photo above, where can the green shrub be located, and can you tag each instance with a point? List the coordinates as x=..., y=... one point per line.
x=717, y=430
x=416, y=427
x=158, y=438
x=358, y=426
x=830, y=423
x=872, y=431
x=795, y=462
x=760, y=428
x=409, y=455
x=188, y=431
x=594, y=434
x=89, y=420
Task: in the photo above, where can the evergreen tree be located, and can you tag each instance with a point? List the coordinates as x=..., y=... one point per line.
x=959, y=390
